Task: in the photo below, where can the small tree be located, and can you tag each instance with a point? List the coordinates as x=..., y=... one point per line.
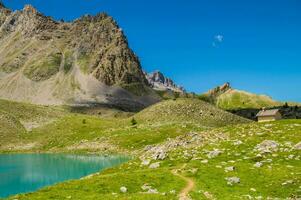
x=285, y=105
x=133, y=122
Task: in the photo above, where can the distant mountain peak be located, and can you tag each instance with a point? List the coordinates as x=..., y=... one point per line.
x=158, y=81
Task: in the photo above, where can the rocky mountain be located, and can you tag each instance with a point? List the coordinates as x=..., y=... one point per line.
x=246, y=104
x=85, y=61
x=161, y=83
x=226, y=97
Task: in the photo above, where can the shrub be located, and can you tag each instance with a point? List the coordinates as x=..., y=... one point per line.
x=133, y=122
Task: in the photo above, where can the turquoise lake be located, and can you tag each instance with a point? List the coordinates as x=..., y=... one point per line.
x=20, y=173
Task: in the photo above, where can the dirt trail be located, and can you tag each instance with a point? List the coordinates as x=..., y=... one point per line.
x=184, y=194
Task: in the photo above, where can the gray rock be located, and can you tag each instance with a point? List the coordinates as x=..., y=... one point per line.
x=267, y=146
x=298, y=146
x=232, y=180
x=214, y=153
x=258, y=164
x=146, y=187
x=123, y=189
x=145, y=162
x=154, y=165
x=204, y=161
x=229, y=169
x=237, y=142
x=152, y=191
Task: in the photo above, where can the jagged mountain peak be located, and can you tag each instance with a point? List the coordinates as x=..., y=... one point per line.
x=158, y=81
x=220, y=89
x=30, y=9
x=87, y=60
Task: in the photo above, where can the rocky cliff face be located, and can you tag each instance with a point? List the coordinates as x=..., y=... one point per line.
x=49, y=62
x=159, y=82
x=219, y=90
x=212, y=95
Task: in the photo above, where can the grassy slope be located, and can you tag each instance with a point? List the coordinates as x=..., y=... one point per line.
x=188, y=110
x=29, y=112
x=15, y=117
x=10, y=127
x=236, y=99
x=75, y=129
x=209, y=178
x=81, y=133
x=267, y=180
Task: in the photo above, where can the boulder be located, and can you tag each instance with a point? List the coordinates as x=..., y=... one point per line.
x=123, y=189
x=232, y=180
x=267, y=146
x=154, y=165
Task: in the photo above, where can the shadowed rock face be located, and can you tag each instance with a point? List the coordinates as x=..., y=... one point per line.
x=73, y=62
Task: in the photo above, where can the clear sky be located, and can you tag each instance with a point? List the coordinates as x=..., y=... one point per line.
x=253, y=44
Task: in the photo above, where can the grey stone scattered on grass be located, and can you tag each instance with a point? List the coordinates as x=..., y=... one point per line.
x=232, y=180
x=214, y=153
x=297, y=146
x=267, y=146
x=145, y=162
x=229, y=169
x=258, y=164
x=123, y=189
x=154, y=165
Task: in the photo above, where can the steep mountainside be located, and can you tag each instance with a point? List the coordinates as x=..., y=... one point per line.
x=86, y=61
x=226, y=97
x=161, y=83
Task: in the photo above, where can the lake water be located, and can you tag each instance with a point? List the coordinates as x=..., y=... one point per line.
x=21, y=173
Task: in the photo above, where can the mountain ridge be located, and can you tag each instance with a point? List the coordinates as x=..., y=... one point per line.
x=85, y=61
x=228, y=98
x=158, y=81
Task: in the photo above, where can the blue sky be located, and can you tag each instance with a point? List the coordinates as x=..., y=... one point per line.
x=253, y=44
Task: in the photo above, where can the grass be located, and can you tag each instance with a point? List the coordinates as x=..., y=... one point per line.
x=106, y=186
x=43, y=69
x=267, y=180
x=10, y=129
x=83, y=62
x=236, y=99
x=96, y=134
x=68, y=61
x=209, y=178
x=30, y=112
x=188, y=110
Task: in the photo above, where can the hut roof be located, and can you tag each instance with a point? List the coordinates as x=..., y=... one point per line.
x=267, y=113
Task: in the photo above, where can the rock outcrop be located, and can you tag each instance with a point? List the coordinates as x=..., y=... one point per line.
x=159, y=82
x=219, y=90
x=85, y=61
